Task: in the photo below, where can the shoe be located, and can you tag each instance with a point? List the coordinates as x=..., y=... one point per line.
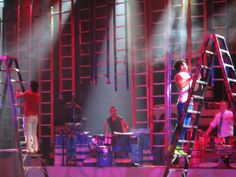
x=179, y=151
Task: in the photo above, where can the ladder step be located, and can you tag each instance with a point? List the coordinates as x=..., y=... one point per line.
x=231, y=80
x=233, y=94
x=209, y=52
x=15, y=81
x=190, y=126
x=194, y=112
x=219, y=36
x=8, y=150
x=224, y=51
x=228, y=65
x=19, y=104
x=198, y=97
x=186, y=141
x=201, y=82
x=205, y=67
x=176, y=169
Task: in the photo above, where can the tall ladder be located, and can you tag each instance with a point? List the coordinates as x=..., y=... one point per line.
x=197, y=28
x=46, y=79
x=10, y=76
x=120, y=36
x=85, y=23
x=219, y=15
x=158, y=77
x=139, y=65
x=214, y=48
x=66, y=48
x=101, y=41
x=13, y=80
x=8, y=32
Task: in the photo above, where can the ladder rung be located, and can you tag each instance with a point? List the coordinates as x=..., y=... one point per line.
x=176, y=169
x=186, y=141
x=219, y=36
x=233, y=94
x=205, y=67
x=209, y=52
x=194, y=112
x=231, y=80
x=190, y=126
x=15, y=81
x=9, y=150
x=228, y=65
x=19, y=104
x=201, y=82
x=198, y=97
x=141, y=122
x=224, y=51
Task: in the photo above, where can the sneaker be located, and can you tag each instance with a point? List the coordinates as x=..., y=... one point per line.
x=179, y=151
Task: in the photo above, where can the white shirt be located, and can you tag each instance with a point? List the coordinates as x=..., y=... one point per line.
x=183, y=92
x=227, y=128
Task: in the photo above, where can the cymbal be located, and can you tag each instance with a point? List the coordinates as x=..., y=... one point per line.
x=73, y=124
x=73, y=105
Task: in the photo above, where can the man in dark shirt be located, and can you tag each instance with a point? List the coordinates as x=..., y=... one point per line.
x=115, y=123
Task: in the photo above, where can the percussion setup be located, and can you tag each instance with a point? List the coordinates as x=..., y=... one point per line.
x=76, y=147
x=80, y=148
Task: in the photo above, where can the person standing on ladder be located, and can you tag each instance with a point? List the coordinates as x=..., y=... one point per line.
x=183, y=80
x=31, y=111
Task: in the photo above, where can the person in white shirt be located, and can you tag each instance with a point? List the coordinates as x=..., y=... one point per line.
x=183, y=81
x=224, y=120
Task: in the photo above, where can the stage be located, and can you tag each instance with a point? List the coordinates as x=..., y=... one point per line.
x=142, y=171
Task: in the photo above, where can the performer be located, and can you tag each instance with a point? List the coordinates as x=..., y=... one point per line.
x=183, y=80
x=224, y=120
x=115, y=123
x=31, y=111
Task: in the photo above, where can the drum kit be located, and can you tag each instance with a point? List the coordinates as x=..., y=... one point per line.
x=75, y=147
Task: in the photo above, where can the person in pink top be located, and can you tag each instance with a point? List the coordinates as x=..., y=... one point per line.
x=31, y=111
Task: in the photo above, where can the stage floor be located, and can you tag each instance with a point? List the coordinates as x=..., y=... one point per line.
x=142, y=171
